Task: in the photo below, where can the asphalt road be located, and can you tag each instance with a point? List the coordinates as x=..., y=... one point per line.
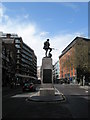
x=76, y=105
x=77, y=99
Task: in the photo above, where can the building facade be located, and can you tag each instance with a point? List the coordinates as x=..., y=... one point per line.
x=26, y=64
x=74, y=62
x=56, y=72
x=18, y=59
x=39, y=72
x=8, y=59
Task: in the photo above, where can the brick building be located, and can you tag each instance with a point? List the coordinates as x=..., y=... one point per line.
x=74, y=60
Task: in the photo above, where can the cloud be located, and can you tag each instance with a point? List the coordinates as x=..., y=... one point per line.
x=26, y=16
x=72, y=5
x=1, y=11
x=30, y=32
x=59, y=42
x=44, y=33
x=33, y=36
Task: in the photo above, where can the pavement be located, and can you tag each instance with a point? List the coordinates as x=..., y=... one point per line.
x=84, y=87
x=7, y=90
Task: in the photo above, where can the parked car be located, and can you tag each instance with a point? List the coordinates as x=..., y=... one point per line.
x=38, y=81
x=28, y=87
x=61, y=81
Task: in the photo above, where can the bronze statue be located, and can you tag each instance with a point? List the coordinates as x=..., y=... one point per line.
x=47, y=47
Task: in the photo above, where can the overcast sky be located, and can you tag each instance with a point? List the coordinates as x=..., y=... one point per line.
x=35, y=22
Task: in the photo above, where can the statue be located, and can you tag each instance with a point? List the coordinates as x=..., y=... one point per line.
x=46, y=48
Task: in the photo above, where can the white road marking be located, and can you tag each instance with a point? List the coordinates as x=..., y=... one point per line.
x=86, y=97
x=22, y=95
x=86, y=91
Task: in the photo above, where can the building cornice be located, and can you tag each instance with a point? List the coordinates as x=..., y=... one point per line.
x=72, y=44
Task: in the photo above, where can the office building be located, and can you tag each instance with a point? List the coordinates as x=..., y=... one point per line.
x=74, y=61
x=23, y=59
x=56, y=72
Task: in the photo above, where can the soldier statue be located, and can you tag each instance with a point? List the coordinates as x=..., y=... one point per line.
x=46, y=48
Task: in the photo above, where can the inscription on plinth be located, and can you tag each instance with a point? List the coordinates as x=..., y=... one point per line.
x=47, y=70
x=47, y=76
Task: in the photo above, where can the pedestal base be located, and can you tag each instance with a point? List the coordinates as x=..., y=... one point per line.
x=46, y=98
x=47, y=92
x=48, y=85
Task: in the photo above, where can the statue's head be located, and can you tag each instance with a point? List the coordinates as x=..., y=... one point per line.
x=47, y=39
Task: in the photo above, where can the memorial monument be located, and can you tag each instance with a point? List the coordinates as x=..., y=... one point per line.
x=47, y=91
x=47, y=68
x=47, y=64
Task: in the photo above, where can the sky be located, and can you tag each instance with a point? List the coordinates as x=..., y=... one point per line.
x=35, y=22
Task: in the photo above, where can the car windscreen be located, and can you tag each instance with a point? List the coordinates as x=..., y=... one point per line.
x=26, y=84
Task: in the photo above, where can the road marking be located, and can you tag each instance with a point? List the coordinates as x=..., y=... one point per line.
x=22, y=95
x=86, y=91
x=58, y=93
x=87, y=97
x=84, y=87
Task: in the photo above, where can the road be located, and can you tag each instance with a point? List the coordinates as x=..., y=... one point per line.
x=15, y=105
x=77, y=99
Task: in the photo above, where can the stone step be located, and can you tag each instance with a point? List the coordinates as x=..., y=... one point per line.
x=47, y=91
x=47, y=86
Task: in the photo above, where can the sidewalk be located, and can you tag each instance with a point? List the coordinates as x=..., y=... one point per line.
x=85, y=87
x=7, y=89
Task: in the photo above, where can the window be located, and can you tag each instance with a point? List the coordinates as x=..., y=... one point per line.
x=88, y=52
x=71, y=66
x=17, y=61
x=17, y=41
x=17, y=67
x=18, y=56
x=18, y=51
x=17, y=46
x=72, y=73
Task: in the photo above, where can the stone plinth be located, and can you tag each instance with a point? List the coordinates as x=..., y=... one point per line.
x=47, y=92
x=47, y=88
x=49, y=85
x=47, y=70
